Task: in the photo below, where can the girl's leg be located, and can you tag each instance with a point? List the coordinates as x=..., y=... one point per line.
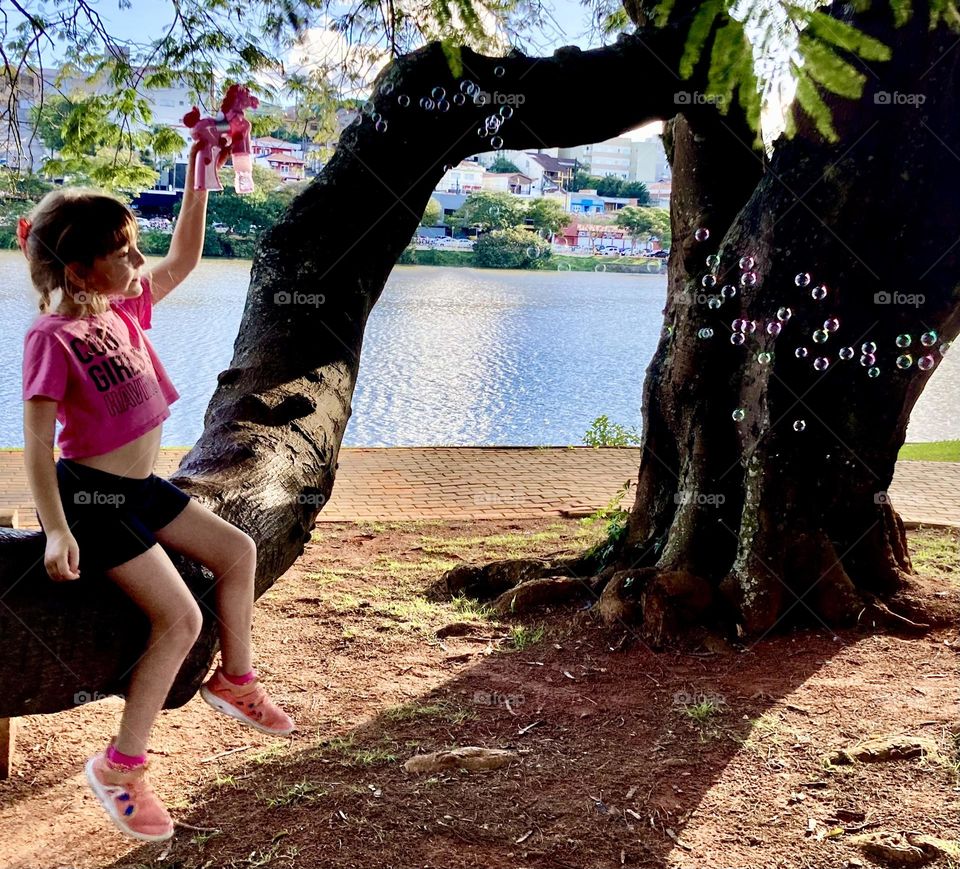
x=231, y=555
x=153, y=583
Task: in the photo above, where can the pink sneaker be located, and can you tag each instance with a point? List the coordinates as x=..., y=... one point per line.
x=129, y=799
x=247, y=703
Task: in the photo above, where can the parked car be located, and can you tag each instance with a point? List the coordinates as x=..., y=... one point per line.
x=661, y=254
x=220, y=227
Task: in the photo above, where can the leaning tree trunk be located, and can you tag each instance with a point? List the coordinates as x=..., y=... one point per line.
x=796, y=505
x=267, y=457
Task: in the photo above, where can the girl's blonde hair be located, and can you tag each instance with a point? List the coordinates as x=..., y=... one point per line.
x=74, y=224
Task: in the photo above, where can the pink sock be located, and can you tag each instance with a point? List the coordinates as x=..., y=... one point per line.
x=121, y=759
x=239, y=680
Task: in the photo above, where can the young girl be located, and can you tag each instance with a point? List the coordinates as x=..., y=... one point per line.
x=88, y=363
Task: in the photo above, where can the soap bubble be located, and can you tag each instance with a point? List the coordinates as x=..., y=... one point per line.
x=443, y=106
x=867, y=360
x=738, y=415
x=499, y=71
x=426, y=103
x=873, y=372
x=380, y=126
x=713, y=303
x=375, y=116
x=784, y=314
x=831, y=324
x=438, y=93
x=801, y=352
x=706, y=332
x=506, y=112
x=748, y=279
x=802, y=279
x=466, y=86
x=492, y=122
x=459, y=99
x=728, y=291
x=821, y=335
x=821, y=363
x=709, y=281
x=904, y=361
x=925, y=363
x=868, y=347
x=713, y=261
x=496, y=143
x=737, y=338
x=482, y=131
x=928, y=339
x=533, y=251
x=600, y=268
x=746, y=263
x=387, y=88
x=750, y=326
x=563, y=267
x=774, y=329
x=367, y=107
x=738, y=325
x=819, y=293
x=702, y=234
x=763, y=358
x=904, y=340
x=847, y=352
x=799, y=424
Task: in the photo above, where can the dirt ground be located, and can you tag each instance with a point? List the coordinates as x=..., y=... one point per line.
x=626, y=758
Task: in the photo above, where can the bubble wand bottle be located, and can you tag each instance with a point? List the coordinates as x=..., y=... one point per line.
x=230, y=123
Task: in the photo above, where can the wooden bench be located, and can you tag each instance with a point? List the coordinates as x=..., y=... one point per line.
x=8, y=519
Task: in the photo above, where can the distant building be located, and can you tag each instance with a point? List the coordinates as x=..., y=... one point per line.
x=592, y=236
x=631, y=160
x=588, y=202
x=507, y=182
x=287, y=166
x=465, y=177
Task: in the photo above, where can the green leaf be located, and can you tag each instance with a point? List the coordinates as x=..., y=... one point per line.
x=845, y=36
x=697, y=35
x=454, y=57
x=829, y=70
x=809, y=98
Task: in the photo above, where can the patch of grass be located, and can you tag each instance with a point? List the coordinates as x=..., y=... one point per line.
x=201, y=839
x=470, y=608
x=405, y=525
x=444, y=710
x=270, y=753
x=702, y=711
x=346, y=748
x=522, y=637
x=296, y=793
x=935, y=551
x=936, y=451
x=416, y=612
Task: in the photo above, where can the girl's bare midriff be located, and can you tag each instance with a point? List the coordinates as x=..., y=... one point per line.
x=135, y=459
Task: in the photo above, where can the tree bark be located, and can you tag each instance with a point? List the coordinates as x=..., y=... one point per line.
x=267, y=457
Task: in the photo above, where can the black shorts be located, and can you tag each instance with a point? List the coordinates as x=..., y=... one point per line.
x=112, y=517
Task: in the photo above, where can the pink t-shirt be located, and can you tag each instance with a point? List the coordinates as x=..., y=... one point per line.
x=103, y=372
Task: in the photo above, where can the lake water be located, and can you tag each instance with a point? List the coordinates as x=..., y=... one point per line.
x=452, y=356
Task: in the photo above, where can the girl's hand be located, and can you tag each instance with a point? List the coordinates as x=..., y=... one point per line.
x=62, y=557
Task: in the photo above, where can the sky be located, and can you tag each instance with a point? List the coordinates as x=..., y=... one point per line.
x=148, y=19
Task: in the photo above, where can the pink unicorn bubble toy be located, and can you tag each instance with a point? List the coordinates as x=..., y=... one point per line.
x=231, y=124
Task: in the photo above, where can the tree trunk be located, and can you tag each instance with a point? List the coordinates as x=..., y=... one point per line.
x=784, y=513
x=267, y=457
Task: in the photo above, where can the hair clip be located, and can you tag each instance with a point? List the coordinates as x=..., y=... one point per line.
x=23, y=230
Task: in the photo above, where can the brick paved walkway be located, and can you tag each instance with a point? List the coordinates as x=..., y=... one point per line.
x=505, y=482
